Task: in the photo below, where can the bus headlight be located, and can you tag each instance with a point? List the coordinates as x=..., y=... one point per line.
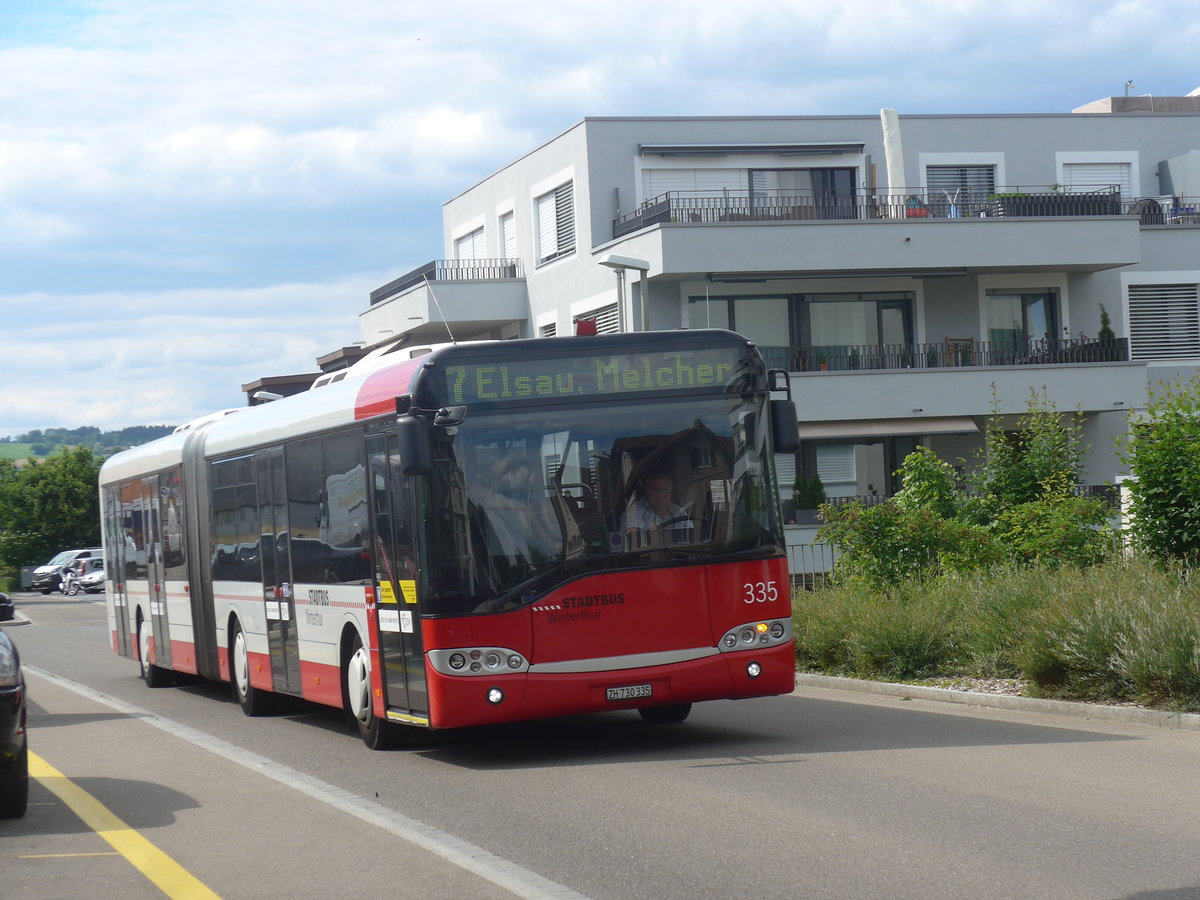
x=754, y=670
x=495, y=696
x=477, y=661
x=766, y=633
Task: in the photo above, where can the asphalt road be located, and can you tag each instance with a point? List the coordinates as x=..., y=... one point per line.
x=820, y=794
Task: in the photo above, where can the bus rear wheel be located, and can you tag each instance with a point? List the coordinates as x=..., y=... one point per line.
x=252, y=700
x=665, y=715
x=378, y=734
x=154, y=676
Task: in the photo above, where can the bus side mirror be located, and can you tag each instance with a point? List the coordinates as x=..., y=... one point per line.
x=785, y=430
x=415, y=442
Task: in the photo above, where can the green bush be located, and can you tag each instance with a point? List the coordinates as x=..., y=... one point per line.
x=1163, y=454
x=917, y=535
x=1057, y=528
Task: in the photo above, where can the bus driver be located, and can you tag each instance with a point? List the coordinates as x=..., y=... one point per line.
x=653, y=512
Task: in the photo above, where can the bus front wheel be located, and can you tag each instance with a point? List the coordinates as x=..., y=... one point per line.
x=376, y=733
x=665, y=715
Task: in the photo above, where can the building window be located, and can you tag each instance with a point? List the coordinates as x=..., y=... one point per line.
x=508, y=236
x=555, y=213
x=548, y=330
x=470, y=246
x=1016, y=317
x=963, y=187
x=1164, y=321
x=869, y=330
x=804, y=193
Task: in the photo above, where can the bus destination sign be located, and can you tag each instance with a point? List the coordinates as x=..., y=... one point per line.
x=591, y=375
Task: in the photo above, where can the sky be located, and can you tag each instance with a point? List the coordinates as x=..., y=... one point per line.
x=198, y=193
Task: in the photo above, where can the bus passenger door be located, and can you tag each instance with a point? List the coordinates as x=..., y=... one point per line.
x=155, y=575
x=278, y=588
x=401, y=646
x=114, y=563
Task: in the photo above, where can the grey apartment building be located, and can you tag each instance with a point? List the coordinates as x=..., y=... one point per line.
x=912, y=273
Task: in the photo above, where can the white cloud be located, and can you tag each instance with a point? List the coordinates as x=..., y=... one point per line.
x=125, y=358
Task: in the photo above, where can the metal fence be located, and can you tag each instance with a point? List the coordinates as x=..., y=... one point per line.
x=950, y=353
x=706, y=207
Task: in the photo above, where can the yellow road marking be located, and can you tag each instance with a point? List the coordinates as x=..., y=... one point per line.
x=170, y=877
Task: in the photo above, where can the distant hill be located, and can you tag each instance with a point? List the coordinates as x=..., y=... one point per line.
x=43, y=442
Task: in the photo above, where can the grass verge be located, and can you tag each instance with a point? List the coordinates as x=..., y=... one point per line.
x=1123, y=631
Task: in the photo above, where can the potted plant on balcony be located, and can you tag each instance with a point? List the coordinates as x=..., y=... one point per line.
x=855, y=360
x=807, y=495
x=823, y=363
x=931, y=357
x=1107, y=337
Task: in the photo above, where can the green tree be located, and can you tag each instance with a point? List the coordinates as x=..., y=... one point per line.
x=46, y=507
x=1163, y=455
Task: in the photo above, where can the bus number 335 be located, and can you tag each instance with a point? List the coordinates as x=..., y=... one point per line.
x=760, y=592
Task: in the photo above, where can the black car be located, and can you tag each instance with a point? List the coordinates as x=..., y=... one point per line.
x=14, y=745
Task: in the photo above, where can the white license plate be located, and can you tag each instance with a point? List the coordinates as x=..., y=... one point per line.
x=632, y=692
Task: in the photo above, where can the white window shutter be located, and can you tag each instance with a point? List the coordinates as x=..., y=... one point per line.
x=547, y=231
x=1085, y=177
x=835, y=463
x=1164, y=321
x=508, y=236
x=470, y=246
x=606, y=320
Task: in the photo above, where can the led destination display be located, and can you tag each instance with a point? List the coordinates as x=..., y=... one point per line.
x=584, y=375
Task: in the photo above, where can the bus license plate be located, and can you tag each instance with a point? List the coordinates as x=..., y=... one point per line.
x=632, y=692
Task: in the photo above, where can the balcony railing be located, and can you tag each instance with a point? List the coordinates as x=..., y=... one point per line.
x=1110, y=494
x=950, y=353
x=1044, y=200
x=451, y=270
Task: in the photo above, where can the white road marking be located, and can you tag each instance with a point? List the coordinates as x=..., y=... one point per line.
x=499, y=871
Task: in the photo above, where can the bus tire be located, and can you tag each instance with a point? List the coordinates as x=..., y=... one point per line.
x=665, y=715
x=376, y=733
x=154, y=676
x=253, y=701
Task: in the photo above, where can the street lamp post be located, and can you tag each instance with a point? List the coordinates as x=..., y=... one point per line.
x=620, y=264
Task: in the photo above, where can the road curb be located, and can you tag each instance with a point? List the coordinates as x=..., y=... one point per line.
x=1130, y=715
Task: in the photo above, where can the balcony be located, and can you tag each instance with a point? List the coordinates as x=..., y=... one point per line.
x=459, y=297
x=450, y=270
x=694, y=207
x=950, y=353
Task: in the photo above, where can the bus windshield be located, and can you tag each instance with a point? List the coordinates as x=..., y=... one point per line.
x=518, y=504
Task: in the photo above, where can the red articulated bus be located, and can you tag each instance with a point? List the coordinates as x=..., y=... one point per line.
x=488, y=532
